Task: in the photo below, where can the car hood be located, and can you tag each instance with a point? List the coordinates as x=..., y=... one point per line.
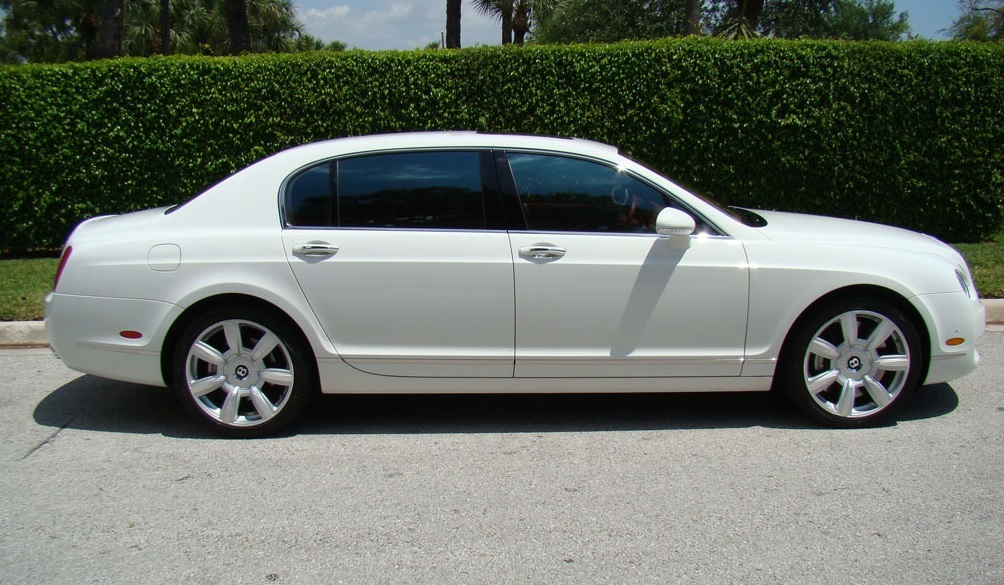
x=814, y=229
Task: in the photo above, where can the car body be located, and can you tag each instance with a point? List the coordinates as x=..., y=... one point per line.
x=462, y=262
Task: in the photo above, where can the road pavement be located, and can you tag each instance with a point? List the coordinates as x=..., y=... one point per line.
x=108, y=482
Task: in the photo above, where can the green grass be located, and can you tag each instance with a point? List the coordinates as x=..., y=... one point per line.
x=987, y=263
x=25, y=282
x=23, y=286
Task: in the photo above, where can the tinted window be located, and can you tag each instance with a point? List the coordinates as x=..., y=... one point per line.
x=567, y=194
x=419, y=190
x=308, y=198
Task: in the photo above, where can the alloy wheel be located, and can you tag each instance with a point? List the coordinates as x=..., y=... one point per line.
x=239, y=373
x=856, y=364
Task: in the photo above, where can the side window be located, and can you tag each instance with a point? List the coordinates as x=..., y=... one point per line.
x=568, y=194
x=308, y=198
x=433, y=190
x=411, y=190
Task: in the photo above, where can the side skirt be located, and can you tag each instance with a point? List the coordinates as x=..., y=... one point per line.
x=339, y=378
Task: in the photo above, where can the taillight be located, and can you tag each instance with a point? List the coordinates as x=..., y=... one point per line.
x=62, y=264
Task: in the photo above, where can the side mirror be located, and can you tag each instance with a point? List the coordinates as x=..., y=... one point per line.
x=677, y=225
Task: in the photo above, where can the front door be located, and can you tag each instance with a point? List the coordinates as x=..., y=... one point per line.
x=598, y=293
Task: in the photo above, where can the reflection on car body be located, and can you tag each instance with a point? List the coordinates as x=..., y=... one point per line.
x=465, y=262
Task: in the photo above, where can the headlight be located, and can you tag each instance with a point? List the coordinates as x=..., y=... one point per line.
x=967, y=287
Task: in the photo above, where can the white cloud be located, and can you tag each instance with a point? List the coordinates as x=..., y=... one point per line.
x=334, y=12
x=392, y=24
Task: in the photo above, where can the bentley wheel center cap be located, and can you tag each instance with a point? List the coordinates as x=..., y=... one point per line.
x=241, y=372
x=856, y=364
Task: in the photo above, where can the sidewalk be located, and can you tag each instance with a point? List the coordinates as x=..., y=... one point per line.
x=15, y=334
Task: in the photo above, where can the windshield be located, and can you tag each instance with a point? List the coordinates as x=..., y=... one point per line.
x=740, y=214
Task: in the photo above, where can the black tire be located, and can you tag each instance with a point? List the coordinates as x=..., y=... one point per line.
x=855, y=383
x=242, y=371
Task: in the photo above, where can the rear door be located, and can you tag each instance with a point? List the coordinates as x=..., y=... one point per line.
x=403, y=260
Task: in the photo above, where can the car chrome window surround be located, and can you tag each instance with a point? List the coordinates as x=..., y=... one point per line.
x=511, y=197
x=492, y=199
x=402, y=229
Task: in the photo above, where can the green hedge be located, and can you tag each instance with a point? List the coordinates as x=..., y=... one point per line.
x=909, y=134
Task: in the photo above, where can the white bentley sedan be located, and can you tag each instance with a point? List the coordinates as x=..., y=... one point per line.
x=463, y=262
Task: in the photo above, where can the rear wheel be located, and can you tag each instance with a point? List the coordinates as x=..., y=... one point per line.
x=242, y=371
x=852, y=363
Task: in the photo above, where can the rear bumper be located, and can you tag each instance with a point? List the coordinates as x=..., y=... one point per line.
x=85, y=333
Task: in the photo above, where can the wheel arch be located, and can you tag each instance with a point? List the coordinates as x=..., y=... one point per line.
x=865, y=290
x=227, y=300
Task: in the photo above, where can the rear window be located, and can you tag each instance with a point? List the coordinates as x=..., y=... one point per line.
x=431, y=190
x=308, y=197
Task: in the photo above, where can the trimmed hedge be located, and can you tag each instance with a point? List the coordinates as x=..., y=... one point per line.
x=909, y=134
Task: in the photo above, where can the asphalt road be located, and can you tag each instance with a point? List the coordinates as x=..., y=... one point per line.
x=106, y=482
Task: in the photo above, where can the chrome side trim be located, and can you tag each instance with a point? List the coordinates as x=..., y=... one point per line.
x=462, y=361
x=547, y=361
x=106, y=346
x=628, y=361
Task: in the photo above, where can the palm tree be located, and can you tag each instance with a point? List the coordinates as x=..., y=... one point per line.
x=238, y=26
x=743, y=20
x=453, y=24
x=112, y=28
x=74, y=30
x=197, y=27
x=691, y=17
x=516, y=15
x=500, y=9
x=272, y=27
x=165, y=27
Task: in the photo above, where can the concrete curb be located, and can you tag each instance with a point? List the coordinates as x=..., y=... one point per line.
x=14, y=334
x=995, y=311
x=17, y=334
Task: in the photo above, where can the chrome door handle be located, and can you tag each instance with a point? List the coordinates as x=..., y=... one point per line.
x=542, y=252
x=315, y=249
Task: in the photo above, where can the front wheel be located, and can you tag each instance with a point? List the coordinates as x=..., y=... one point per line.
x=242, y=371
x=852, y=363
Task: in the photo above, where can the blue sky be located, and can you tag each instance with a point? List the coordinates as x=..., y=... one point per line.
x=404, y=24
x=929, y=17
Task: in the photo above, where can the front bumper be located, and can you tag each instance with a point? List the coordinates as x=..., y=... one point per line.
x=953, y=316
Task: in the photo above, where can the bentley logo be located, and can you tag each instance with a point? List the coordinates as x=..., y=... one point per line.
x=242, y=371
x=854, y=363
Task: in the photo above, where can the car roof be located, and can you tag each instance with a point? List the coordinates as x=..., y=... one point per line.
x=438, y=140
